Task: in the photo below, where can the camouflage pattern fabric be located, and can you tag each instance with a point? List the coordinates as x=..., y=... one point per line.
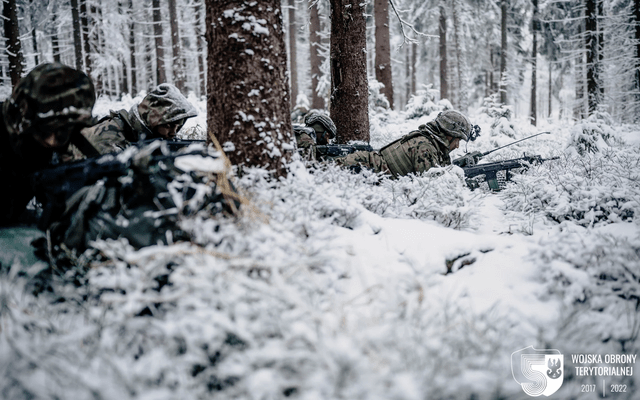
x=370, y=160
x=51, y=97
x=454, y=124
x=415, y=152
x=305, y=141
x=114, y=133
x=322, y=124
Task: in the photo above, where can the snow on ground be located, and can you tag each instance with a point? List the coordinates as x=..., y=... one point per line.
x=344, y=286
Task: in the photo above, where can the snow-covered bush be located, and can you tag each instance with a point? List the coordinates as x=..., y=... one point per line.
x=591, y=135
x=424, y=103
x=378, y=102
x=592, y=189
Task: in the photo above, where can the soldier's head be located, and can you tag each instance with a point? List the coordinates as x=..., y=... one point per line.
x=165, y=110
x=322, y=124
x=49, y=105
x=454, y=126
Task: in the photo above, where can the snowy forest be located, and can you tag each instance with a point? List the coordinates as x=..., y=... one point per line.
x=332, y=284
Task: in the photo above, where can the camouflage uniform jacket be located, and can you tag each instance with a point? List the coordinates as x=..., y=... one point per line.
x=15, y=170
x=413, y=153
x=417, y=151
x=163, y=105
x=114, y=132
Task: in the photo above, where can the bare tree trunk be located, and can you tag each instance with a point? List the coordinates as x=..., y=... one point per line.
x=534, y=66
x=503, y=52
x=161, y=73
x=442, y=29
x=414, y=60
x=293, y=57
x=84, y=22
x=550, y=112
x=55, y=46
x=200, y=48
x=383, y=49
x=463, y=102
x=591, y=46
x=77, y=38
x=317, y=101
x=248, y=98
x=350, y=88
x=407, y=74
x=132, y=50
x=636, y=7
x=178, y=63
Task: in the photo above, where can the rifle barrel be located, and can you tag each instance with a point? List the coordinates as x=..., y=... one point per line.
x=517, y=141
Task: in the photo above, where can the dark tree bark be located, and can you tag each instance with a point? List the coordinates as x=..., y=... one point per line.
x=178, y=63
x=503, y=52
x=407, y=74
x=161, y=73
x=248, y=92
x=293, y=57
x=534, y=66
x=317, y=101
x=77, y=38
x=579, y=109
x=34, y=39
x=414, y=60
x=132, y=50
x=12, y=38
x=200, y=47
x=636, y=12
x=442, y=29
x=55, y=45
x=383, y=49
x=591, y=46
x=84, y=22
x=350, y=88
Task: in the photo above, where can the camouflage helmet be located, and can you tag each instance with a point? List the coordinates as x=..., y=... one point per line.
x=453, y=123
x=319, y=121
x=51, y=96
x=164, y=105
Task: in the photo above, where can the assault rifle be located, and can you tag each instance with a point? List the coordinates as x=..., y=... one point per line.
x=490, y=170
x=329, y=151
x=471, y=159
x=56, y=184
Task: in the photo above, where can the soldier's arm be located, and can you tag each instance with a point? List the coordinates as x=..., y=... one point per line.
x=425, y=156
x=107, y=136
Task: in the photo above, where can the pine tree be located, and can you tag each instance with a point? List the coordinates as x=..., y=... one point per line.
x=383, y=49
x=350, y=88
x=248, y=91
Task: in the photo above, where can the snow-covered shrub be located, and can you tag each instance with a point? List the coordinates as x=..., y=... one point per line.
x=592, y=189
x=492, y=107
x=378, y=102
x=424, y=103
x=591, y=135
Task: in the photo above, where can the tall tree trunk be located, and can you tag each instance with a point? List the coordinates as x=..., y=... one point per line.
x=55, y=45
x=317, y=101
x=178, y=64
x=550, y=112
x=132, y=50
x=414, y=60
x=383, y=49
x=200, y=47
x=350, y=89
x=503, y=52
x=578, y=111
x=84, y=22
x=248, y=91
x=293, y=57
x=534, y=66
x=77, y=38
x=442, y=29
x=161, y=73
x=591, y=46
x=407, y=75
x=12, y=37
x=463, y=101
x=34, y=42
x=636, y=11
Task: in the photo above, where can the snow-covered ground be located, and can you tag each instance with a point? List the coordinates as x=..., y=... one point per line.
x=334, y=285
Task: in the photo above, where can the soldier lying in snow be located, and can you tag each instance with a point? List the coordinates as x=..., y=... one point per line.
x=160, y=115
x=318, y=129
x=418, y=151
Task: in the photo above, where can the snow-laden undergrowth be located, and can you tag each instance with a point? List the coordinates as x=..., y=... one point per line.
x=333, y=285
